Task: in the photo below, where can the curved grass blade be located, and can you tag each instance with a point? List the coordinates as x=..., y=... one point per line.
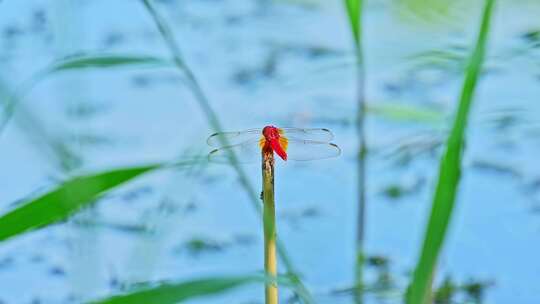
x=76, y=62
x=66, y=199
x=177, y=292
x=85, y=61
x=170, y=293
x=419, y=291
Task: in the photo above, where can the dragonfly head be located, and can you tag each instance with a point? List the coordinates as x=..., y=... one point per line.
x=270, y=133
x=273, y=141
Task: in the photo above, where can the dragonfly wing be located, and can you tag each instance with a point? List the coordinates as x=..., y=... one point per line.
x=233, y=138
x=303, y=150
x=246, y=152
x=315, y=134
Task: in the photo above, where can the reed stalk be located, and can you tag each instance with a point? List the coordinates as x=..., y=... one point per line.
x=269, y=225
x=354, y=9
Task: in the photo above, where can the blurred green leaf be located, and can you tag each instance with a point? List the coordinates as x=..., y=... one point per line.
x=66, y=199
x=311, y=4
x=75, y=62
x=85, y=61
x=406, y=112
x=166, y=293
x=354, y=12
x=419, y=291
x=433, y=11
x=452, y=57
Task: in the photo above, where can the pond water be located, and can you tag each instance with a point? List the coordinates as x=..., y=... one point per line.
x=288, y=63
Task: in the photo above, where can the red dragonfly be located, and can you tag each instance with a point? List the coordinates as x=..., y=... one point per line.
x=287, y=143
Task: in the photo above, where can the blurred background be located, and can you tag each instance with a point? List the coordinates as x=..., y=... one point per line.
x=88, y=86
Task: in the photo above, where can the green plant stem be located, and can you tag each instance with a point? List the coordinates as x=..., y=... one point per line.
x=269, y=224
x=449, y=173
x=214, y=122
x=354, y=9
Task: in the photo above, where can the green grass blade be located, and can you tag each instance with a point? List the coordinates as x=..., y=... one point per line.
x=354, y=13
x=431, y=11
x=171, y=293
x=76, y=62
x=84, y=61
x=66, y=199
x=449, y=173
